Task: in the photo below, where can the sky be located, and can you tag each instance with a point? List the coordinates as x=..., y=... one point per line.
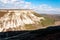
x=40, y=6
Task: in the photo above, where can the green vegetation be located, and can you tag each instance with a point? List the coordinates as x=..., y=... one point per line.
x=29, y=26
x=42, y=23
x=47, y=21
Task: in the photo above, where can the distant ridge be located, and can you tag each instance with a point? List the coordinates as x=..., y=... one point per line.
x=16, y=9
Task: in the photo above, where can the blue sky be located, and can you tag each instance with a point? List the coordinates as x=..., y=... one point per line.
x=40, y=6
x=54, y=3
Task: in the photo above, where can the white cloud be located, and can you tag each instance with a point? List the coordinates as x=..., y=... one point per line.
x=19, y=4
x=22, y=4
x=8, y=1
x=44, y=8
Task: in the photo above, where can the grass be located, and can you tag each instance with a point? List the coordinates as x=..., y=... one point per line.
x=29, y=26
x=47, y=21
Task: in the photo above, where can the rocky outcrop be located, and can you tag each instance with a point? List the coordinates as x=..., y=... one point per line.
x=18, y=19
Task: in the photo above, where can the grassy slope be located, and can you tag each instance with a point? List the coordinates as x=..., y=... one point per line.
x=48, y=21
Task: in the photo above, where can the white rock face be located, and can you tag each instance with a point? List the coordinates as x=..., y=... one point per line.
x=17, y=18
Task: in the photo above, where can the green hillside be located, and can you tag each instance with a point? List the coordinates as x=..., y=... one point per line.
x=48, y=21
x=44, y=23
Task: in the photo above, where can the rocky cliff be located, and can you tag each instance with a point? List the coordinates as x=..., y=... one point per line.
x=18, y=19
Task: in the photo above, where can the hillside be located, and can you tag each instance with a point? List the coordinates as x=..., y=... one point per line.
x=49, y=19
x=56, y=17
x=16, y=20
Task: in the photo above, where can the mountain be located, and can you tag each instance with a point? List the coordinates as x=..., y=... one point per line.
x=56, y=17
x=16, y=20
